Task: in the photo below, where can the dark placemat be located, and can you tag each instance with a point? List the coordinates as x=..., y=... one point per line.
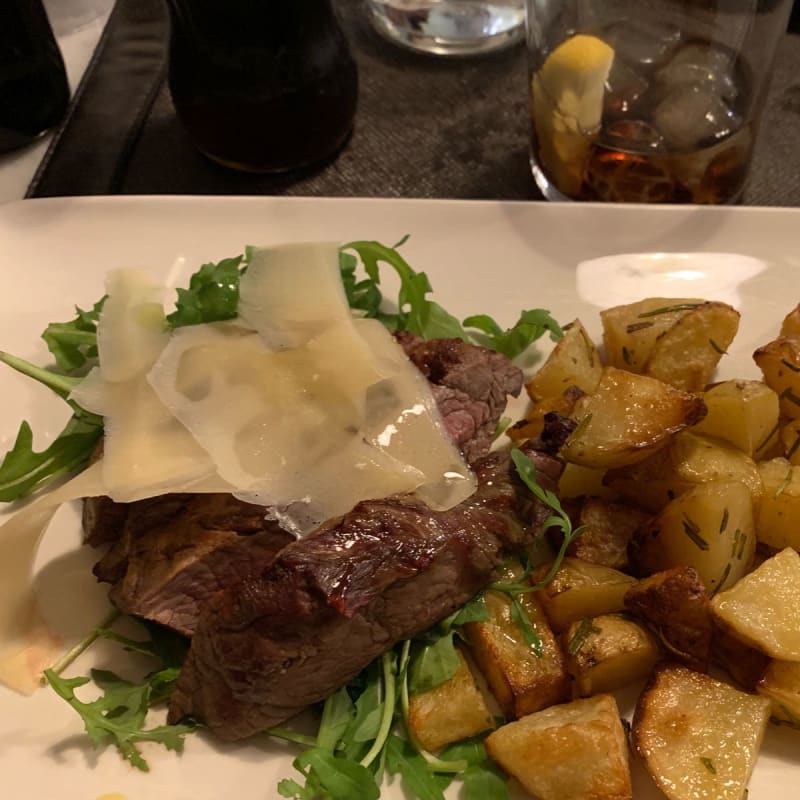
x=426, y=126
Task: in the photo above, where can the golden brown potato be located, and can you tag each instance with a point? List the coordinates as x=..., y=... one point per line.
x=779, y=360
x=608, y=529
x=778, y=512
x=698, y=738
x=581, y=589
x=762, y=609
x=744, y=413
x=576, y=750
x=781, y=684
x=686, y=461
x=790, y=441
x=452, y=711
x=627, y=419
x=743, y=663
x=675, y=604
x=573, y=362
x=608, y=652
x=686, y=355
x=630, y=331
x=532, y=426
x=791, y=323
x=520, y=680
x=576, y=481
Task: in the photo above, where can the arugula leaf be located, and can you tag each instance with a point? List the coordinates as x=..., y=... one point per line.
x=362, y=295
x=73, y=344
x=401, y=759
x=432, y=664
x=483, y=782
x=337, y=714
x=512, y=342
x=118, y=716
x=212, y=296
x=339, y=778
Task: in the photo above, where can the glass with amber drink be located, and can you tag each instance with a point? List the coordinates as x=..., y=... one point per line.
x=653, y=101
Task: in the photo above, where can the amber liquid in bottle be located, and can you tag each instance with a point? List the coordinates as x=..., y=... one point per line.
x=262, y=86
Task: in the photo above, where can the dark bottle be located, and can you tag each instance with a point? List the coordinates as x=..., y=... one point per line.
x=34, y=93
x=262, y=85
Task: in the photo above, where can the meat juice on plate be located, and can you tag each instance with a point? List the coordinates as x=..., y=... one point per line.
x=641, y=113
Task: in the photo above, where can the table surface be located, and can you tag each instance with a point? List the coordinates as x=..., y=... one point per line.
x=425, y=127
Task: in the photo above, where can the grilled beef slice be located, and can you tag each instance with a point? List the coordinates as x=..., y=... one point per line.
x=471, y=386
x=177, y=550
x=272, y=644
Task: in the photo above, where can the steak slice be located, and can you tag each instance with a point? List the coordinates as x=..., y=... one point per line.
x=177, y=550
x=269, y=646
x=470, y=384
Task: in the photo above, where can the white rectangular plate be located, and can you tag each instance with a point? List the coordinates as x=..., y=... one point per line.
x=481, y=257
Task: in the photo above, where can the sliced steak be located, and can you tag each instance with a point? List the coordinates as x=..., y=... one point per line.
x=175, y=551
x=272, y=644
x=471, y=386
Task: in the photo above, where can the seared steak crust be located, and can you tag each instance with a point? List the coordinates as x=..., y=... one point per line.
x=176, y=550
x=471, y=386
x=274, y=643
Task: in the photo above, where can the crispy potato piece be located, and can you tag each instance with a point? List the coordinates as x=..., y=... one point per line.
x=687, y=461
x=698, y=738
x=580, y=589
x=778, y=512
x=520, y=680
x=710, y=527
x=744, y=413
x=576, y=750
x=576, y=481
x=630, y=331
x=627, y=419
x=608, y=652
x=779, y=360
x=743, y=663
x=790, y=441
x=791, y=323
x=609, y=528
x=686, y=354
x=675, y=604
x=573, y=362
x=532, y=426
x=781, y=684
x=762, y=609
x=452, y=711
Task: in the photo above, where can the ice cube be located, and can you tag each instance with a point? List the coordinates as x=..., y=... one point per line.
x=632, y=135
x=690, y=117
x=624, y=86
x=700, y=64
x=642, y=44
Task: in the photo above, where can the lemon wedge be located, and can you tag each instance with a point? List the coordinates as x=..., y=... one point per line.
x=567, y=107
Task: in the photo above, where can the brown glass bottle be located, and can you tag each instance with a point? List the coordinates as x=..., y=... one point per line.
x=34, y=93
x=262, y=86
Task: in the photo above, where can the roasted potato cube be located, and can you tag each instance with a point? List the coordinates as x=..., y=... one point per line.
x=780, y=362
x=710, y=528
x=581, y=589
x=743, y=663
x=520, y=680
x=686, y=354
x=763, y=608
x=452, y=711
x=790, y=441
x=744, y=413
x=687, y=460
x=778, y=511
x=576, y=481
x=532, y=426
x=630, y=331
x=608, y=530
x=608, y=652
x=628, y=418
x=781, y=684
x=698, y=738
x=791, y=323
x=675, y=604
x=576, y=750
x=573, y=362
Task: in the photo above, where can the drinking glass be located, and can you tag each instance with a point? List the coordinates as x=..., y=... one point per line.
x=648, y=100
x=450, y=27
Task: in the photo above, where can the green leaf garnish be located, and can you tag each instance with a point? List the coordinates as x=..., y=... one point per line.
x=73, y=344
x=212, y=296
x=433, y=664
